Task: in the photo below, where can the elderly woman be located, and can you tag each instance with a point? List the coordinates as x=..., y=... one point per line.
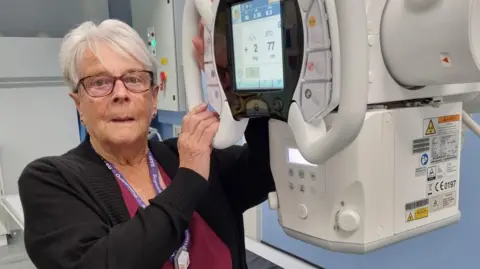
x=119, y=201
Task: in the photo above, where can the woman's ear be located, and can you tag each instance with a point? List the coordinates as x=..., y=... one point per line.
x=76, y=98
x=155, y=91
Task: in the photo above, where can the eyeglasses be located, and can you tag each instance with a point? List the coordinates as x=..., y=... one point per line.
x=103, y=85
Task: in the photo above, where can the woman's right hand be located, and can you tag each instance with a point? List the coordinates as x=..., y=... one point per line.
x=199, y=127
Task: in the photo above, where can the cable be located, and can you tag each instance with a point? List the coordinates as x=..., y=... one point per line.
x=159, y=136
x=470, y=123
x=152, y=132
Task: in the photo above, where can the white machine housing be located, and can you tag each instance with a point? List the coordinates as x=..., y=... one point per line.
x=159, y=23
x=355, y=180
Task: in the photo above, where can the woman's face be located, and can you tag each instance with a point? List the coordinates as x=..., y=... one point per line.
x=123, y=116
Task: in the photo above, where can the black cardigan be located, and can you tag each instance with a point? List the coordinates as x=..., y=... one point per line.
x=75, y=216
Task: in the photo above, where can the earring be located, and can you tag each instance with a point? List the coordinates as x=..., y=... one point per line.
x=81, y=121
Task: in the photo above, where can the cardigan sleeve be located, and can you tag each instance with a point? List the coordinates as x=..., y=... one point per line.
x=245, y=170
x=65, y=229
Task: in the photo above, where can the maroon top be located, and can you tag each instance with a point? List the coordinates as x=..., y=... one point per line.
x=206, y=249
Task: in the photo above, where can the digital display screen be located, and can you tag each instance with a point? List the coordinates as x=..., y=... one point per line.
x=257, y=45
x=294, y=156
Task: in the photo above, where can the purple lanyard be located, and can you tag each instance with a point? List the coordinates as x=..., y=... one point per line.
x=154, y=175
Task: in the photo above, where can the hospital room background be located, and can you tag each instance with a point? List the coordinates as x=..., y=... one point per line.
x=30, y=118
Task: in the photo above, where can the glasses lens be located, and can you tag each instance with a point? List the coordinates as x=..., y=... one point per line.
x=102, y=85
x=98, y=85
x=137, y=81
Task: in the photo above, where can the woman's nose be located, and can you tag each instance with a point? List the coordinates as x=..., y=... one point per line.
x=120, y=92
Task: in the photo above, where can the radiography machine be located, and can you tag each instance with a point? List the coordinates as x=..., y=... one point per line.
x=366, y=100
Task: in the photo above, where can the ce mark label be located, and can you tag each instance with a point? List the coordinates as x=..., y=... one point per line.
x=445, y=185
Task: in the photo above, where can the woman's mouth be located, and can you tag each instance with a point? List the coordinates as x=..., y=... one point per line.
x=123, y=119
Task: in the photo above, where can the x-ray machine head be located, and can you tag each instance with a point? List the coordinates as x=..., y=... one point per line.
x=365, y=100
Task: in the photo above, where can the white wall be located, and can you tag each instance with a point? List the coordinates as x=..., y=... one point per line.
x=26, y=18
x=37, y=118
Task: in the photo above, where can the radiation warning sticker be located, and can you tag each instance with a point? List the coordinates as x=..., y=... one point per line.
x=430, y=128
x=441, y=125
x=417, y=214
x=416, y=210
x=312, y=21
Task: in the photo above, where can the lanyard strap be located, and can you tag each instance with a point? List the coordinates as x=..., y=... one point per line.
x=155, y=177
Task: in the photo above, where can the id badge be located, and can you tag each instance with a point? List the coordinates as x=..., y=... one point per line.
x=182, y=259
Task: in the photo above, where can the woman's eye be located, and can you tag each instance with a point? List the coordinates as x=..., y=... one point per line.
x=99, y=82
x=132, y=80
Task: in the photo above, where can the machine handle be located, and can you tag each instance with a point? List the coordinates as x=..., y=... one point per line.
x=230, y=130
x=316, y=143
x=204, y=8
x=192, y=74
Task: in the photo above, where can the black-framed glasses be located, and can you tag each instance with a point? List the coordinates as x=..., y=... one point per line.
x=103, y=85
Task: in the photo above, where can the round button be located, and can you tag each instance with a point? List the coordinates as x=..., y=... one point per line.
x=348, y=220
x=302, y=211
x=277, y=104
x=308, y=93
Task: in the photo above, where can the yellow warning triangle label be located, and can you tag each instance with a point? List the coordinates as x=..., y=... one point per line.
x=312, y=21
x=410, y=217
x=430, y=129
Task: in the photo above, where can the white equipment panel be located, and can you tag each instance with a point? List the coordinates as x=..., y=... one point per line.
x=159, y=23
x=369, y=154
x=437, y=55
x=397, y=180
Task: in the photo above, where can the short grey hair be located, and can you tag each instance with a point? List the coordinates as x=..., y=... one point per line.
x=117, y=34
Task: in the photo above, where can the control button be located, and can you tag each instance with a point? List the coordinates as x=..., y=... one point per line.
x=291, y=186
x=302, y=188
x=318, y=66
x=273, y=200
x=237, y=104
x=301, y=174
x=207, y=44
x=317, y=101
x=290, y=172
x=305, y=4
x=318, y=37
x=308, y=93
x=302, y=211
x=348, y=220
x=313, y=177
x=277, y=104
x=214, y=98
x=256, y=107
x=211, y=75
